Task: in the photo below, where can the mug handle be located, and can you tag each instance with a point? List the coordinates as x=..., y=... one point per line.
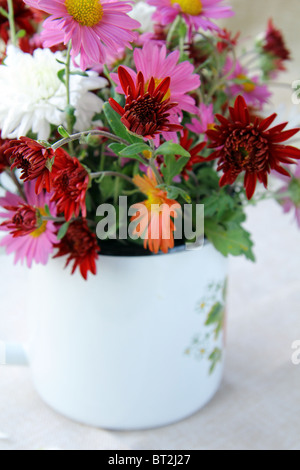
x=12, y=354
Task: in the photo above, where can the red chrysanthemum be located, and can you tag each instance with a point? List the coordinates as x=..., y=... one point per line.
x=226, y=40
x=253, y=148
x=81, y=247
x=23, y=17
x=34, y=160
x=4, y=159
x=275, y=44
x=187, y=143
x=23, y=222
x=146, y=111
x=70, y=184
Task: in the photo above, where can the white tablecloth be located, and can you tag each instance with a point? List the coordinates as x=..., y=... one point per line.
x=258, y=405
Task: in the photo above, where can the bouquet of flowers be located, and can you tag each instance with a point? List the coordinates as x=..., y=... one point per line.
x=115, y=117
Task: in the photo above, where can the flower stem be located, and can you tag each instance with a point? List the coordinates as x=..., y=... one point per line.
x=78, y=136
x=152, y=164
x=111, y=173
x=69, y=115
x=11, y=19
x=18, y=184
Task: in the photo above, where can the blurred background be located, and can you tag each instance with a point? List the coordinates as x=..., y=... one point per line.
x=258, y=405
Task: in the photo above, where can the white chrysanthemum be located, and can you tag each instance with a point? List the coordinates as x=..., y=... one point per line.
x=32, y=97
x=142, y=12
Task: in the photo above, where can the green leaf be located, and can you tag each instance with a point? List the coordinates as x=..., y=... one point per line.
x=234, y=240
x=62, y=131
x=135, y=149
x=214, y=358
x=47, y=211
x=21, y=34
x=63, y=230
x=173, y=167
x=216, y=316
x=61, y=75
x=169, y=148
x=174, y=192
x=117, y=148
x=117, y=126
x=4, y=13
x=61, y=62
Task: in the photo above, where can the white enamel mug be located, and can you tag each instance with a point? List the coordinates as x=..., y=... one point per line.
x=138, y=346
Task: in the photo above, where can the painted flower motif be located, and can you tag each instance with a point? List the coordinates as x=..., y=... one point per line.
x=70, y=185
x=292, y=186
x=29, y=237
x=34, y=161
x=254, y=92
x=253, y=148
x=147, y=108
x=93, y=26
x=23, y=17
x=197, y=13
x=81, y=247
x=153, y=61
x=204, y=121
x=153, y=219
x=32, y=98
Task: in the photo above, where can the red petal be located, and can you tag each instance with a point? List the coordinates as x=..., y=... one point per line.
x=250, y=184
x=164, y=86
x=126, y=81
x=278, y=128
x=241, y=110
x=282, y=136
x=281, y=170
x=116, y=107
x=285, y=151
x=267, y=122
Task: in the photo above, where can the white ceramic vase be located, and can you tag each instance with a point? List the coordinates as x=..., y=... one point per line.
x=138, y=346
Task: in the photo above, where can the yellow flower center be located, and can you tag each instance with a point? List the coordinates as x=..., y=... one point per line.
x=248, y=86
x=211, y=127
x=190, y=7
x=85, y=12
x=147, y=154
x=158, y=82
x=43, y=227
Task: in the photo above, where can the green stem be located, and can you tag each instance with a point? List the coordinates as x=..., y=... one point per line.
x=68, y=88
x=173, y=30
x=11, y=19
x=111, y=173
x=152, y=164
x=18, y=184
x=78, y=136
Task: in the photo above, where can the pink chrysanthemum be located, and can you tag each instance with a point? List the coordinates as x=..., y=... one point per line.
x=253, y=91
x=204, y=122
x=94, y=26
x=153, y=61
x=197, y=13
x=29, y=237
x=293, y=187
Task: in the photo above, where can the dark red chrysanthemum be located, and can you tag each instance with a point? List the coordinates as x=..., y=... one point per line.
x=226, y=40
x=146, y=108
x=70, y=184
x=253, y=148
x=187, y=143
x=80, y=245
x=34, y=160
x=23, y=16
x=4, y=159
x=23, y=222
x=275, y=44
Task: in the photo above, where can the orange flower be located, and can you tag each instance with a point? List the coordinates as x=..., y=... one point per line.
x=153, y=217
